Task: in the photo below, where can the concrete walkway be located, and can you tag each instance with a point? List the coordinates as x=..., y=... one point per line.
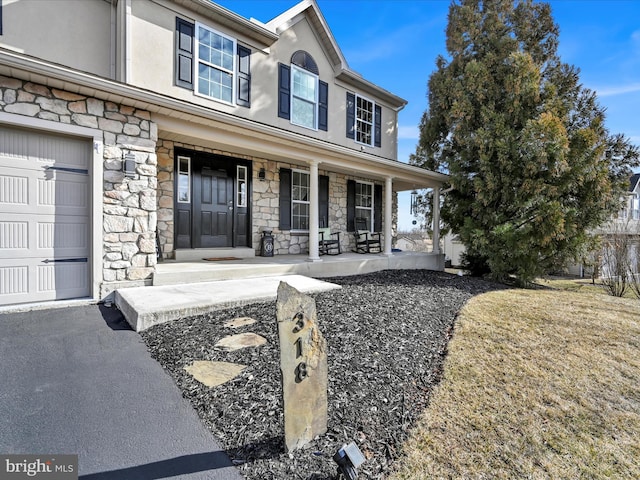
x=79, y=381
x=147, y=306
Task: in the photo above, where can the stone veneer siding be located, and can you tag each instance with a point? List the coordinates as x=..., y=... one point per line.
x=129, y=203
x=265, y=202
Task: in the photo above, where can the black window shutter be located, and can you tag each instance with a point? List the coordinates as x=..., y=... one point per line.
x=244, y=77
x=323, y=106
x=285, y=199
x=351, y=115
x=377, y=208
x=351, y=205
x=0, y=17
x=323, y=200
x=284, y=91
x=378, y=127
x=184, y=53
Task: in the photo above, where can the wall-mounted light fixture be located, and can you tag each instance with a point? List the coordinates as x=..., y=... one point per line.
x=129, y=164
x=262, y=174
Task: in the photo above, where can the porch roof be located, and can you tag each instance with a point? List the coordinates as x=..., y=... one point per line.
x=264, y=141
x=181, y=120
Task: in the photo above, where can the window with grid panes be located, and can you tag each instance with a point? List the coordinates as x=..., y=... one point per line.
x=300, y=190
x=364, y=202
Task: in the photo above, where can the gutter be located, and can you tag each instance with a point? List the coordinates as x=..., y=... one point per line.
x=156, y=103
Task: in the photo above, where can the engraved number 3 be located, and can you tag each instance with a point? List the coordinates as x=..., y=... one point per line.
x=299, y=318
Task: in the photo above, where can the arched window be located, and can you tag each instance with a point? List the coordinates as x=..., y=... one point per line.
x=304, y=60
x=303, y=97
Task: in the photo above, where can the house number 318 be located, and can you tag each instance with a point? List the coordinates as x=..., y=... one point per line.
x=301, y=369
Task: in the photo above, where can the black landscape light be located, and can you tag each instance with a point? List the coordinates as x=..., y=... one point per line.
x=349, y=458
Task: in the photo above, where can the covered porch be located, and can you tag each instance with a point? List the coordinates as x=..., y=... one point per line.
x=269, y=156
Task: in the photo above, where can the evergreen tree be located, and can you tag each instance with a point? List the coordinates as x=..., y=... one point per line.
x=532, y=166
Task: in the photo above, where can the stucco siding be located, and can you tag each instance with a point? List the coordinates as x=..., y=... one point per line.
x=152, y=63
x=69, y=32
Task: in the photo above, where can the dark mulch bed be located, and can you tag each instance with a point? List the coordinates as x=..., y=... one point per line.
x=387, y=336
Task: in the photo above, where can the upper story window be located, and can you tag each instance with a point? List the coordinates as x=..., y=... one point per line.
x=215, y=64
x=302, y=96
x=364, y=120
x=212, y=64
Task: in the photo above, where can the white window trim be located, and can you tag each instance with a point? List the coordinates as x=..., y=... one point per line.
x=308, y=202
x=196, y=63
x=373, y=120
x=316, y=99
x=188, y=159
x=373, y=203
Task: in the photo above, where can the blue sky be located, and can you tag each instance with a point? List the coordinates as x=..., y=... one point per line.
x=394, y=43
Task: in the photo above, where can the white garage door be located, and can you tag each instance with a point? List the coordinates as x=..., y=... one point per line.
x=44, y=216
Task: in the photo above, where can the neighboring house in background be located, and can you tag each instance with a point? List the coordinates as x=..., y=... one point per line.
x=631, y=209
x=414, y=242
x=622, y=230
x=621, y=236
x=131, y=125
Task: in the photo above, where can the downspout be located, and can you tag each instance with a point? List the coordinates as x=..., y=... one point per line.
x=114, y=40
x=127, y=42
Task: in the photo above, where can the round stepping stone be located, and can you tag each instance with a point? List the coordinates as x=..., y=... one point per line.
x=213, y=374
x=242, y=340
x=240, y=322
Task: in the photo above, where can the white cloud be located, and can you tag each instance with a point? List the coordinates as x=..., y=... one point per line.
x=609, y=91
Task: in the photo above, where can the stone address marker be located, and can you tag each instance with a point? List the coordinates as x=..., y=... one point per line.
x=303, y=361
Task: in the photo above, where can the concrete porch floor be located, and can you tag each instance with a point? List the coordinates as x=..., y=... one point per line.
x=171, y=272
x=182, y=289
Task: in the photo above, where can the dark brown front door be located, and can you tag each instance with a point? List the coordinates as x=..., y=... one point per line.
x=212, y=208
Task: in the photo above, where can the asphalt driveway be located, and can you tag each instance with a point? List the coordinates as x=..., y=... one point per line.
x=78, y=380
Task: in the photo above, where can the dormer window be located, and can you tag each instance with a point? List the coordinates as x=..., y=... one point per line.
x=302, y=96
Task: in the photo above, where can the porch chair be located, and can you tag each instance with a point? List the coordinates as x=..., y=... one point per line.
x=329, y=243
x=366, y=241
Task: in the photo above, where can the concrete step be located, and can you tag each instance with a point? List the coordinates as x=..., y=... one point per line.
x=199, y=272
x=144, y=307
x=196, y=254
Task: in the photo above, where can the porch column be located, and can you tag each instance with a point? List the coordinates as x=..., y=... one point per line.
x=314, y=213
x=436, y=220
x=388, y=210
